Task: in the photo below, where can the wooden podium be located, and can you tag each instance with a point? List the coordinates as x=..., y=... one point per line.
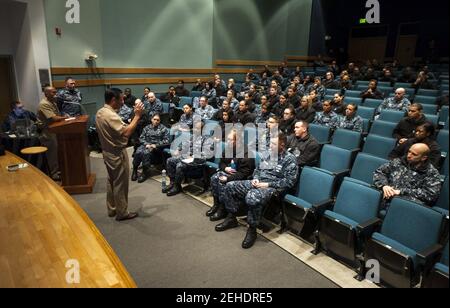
x=73, y=155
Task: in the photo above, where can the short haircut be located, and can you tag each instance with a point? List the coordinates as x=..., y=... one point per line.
x=181, y=81
x=147, y=88
x=274, y=117
x=304, y=124
x=418, y=106
x=291, y=110
x=354, y=106
x=282, y=137
x=112, y=93
x=14, y=104
x=429, y=127
x=68, y=78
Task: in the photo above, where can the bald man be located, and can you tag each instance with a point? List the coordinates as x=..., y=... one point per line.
x=47, y=114
x=399, y=102
x=412, y=177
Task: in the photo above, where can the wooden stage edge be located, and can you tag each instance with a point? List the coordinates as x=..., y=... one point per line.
x=42, y=228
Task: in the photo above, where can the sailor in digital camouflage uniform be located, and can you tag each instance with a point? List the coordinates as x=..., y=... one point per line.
x=327, y=117
x=69, y=99
x=351, y=121
x=270, y=178
x=195, y=147
x=126, y=113
x=153, y=137
x=412, y=177
x=399, y=102
x=153, y=106
x=238, y=167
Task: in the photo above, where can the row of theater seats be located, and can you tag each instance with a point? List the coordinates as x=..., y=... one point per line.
x=407, y=243
x=344, y=217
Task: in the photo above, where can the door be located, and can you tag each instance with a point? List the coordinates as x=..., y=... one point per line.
x=406, y=49
x=7, y=88
x=365, y=48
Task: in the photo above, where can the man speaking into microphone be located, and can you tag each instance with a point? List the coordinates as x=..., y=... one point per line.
x=114, y=134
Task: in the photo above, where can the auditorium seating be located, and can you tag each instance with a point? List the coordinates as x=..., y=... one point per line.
x=366, y=112
x=353, y=100
x=336, y=160
x=408, y=238
x=442, y=204
x=352, y=93
x=321, y=133
x=379, y=146
x=383, y=128
x=431, y=93
x=393, y=116
x=347, y=139
x=303, y=209
x=372, y=103
x=442, y=139
x=438, y=276
x=425, y=100
x=343, y=229
x=365, y=166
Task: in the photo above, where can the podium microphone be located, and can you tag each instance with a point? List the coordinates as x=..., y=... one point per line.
x=83, y=110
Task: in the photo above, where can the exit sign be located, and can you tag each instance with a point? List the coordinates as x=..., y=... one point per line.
x=362, y=21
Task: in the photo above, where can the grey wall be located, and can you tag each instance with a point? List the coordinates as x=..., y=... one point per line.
x=157, y=33
x=178, y=33
x=23, y=36
x=77, y=40
x=261, y=29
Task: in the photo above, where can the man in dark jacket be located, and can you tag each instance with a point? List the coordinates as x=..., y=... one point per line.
x=288, y=121
x=230, y=170
x=305, y=112
x=303, y=146
x=243, y=116
x=218, y=116
x=405, y=129
x=180, y=90
x=372, y=92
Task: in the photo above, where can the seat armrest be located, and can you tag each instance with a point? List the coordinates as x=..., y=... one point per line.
x=431, y=253
x=342, y=173
x=369, y=227
x=320, y=208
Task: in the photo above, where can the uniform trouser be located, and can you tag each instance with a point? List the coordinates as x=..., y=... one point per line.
x=238, y=193
x=50, y=142
x=176, y=169
x=146, y=157
x=218, y=188
x=118, y=168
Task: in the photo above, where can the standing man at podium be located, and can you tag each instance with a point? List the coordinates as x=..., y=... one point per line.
x=114, y=135
x=48, y=113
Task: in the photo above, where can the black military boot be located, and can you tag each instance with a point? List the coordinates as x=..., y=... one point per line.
x=168, y=187
x=144, y=175
x=250, y=238
x=134, y=175
x=220, y=214
x=175, y=190
x=214, y=208
x=229, y=223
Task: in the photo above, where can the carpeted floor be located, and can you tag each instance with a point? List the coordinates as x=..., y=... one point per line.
x=174, y=245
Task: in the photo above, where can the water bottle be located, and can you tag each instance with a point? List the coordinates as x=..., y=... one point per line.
x=164, y=180
x=233, y=165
